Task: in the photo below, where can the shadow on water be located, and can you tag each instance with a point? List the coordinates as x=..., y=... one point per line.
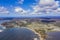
x=53, y=36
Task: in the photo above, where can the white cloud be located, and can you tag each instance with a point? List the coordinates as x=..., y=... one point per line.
x=57, y=10
x=21, y=11
x=20, y=1
x=45, y=2
x=3, y=10
x=46, y=6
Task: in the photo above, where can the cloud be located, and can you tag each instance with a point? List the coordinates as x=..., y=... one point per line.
x=46, y=2
x=20, y=1
x=46, y=6
x=57, y=10
x=3, y=10
x=21, y=10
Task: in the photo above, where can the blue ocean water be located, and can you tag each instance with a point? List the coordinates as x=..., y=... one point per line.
x=18, y=34
x=1, y=21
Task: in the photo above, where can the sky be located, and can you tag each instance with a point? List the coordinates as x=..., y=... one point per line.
x=29, y=8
